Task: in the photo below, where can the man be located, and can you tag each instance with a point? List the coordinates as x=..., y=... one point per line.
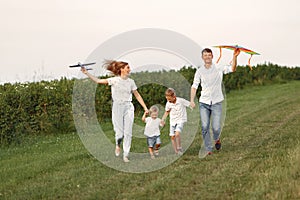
x=210, y=76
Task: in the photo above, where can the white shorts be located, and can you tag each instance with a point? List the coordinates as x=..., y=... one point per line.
x=176, y=128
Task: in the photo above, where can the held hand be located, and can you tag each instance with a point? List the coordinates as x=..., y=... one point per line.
x=146, y=113
x=162, y=123
x=192, y=104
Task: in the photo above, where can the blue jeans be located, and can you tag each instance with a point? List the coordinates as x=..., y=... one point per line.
x=210, y=114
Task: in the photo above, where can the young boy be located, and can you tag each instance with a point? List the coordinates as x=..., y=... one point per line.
x=176, y=107
x=152, y=130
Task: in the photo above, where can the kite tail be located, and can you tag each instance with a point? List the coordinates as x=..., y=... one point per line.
x=249, y=62
x=220, y=55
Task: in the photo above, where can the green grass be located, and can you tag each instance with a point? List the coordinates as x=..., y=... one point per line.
x=260, y=159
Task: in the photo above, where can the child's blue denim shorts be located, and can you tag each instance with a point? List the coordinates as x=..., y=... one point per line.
x=152, y=141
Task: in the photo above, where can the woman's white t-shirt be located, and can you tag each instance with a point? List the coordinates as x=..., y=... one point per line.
x=121, y=89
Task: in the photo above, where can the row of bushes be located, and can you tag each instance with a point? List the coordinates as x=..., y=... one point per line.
x=33, y=108
x=46, y=106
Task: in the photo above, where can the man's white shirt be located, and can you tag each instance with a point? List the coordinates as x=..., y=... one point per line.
x=211, y=83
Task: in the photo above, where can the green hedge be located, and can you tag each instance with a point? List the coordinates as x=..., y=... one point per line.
x=46, y=107
x=34, y=108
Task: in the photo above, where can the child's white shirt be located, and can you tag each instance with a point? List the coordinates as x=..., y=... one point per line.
x=177, y=110
x=152, y=127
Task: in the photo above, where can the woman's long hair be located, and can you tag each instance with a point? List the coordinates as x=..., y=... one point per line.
x=115, y=66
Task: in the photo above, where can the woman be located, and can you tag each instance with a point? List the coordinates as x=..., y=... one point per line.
x=122, y=88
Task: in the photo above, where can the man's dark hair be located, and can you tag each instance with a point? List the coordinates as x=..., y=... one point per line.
x=206, y=50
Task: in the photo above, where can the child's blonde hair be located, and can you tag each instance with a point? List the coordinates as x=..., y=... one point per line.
x=154, y=108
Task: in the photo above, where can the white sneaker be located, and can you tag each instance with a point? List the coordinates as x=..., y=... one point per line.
x=180, y=151
x=125, y=159
x=152, y=156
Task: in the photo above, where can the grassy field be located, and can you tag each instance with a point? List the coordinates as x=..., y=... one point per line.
x=260, y=159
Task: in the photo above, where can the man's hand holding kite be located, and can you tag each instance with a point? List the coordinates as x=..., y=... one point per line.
x=233, y=47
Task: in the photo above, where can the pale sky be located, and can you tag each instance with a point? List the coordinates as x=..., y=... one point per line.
x=40, y=39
